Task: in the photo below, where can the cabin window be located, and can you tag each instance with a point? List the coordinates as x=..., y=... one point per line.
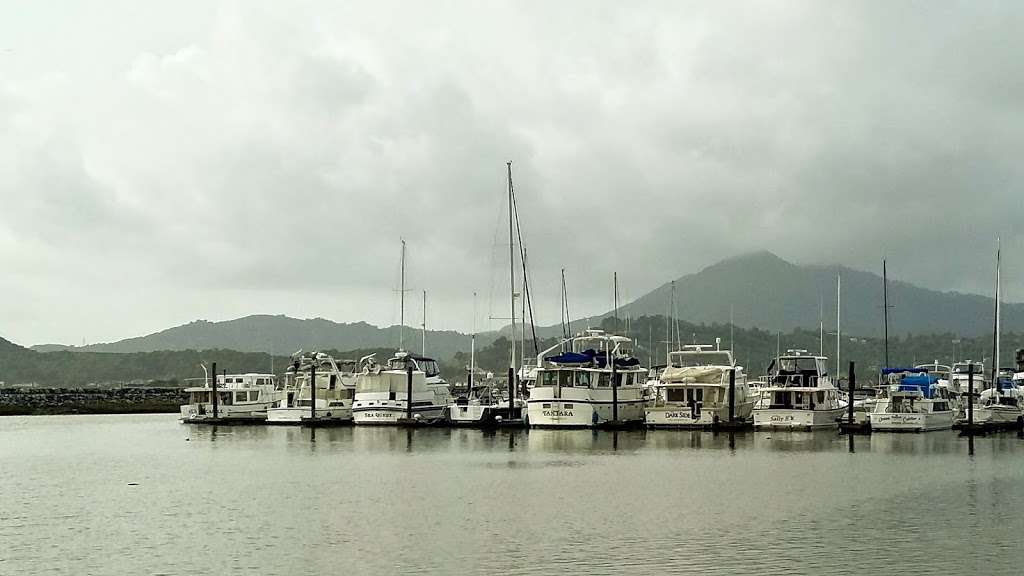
x=782, y=400
x=583, y=379
x=675, y=395
x=564, y=378
x=602, y=380
x=545, y=406
x=799, y=398
x=225, y=398
x=618, y=380
x=567, y=406
x=548, y=378
x=821, y=397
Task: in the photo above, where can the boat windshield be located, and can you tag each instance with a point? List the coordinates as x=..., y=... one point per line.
x=688, y=359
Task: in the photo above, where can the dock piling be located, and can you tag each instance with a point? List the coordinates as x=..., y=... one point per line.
x=214, y=385
x=511, y=391
x=851, y=382
x=408, y=393
x=615, y=391
x=732, y=396
x=312, y=392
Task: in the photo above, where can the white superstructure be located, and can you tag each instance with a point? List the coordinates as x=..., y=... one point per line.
x=239, y=397
x=574, y=383
x=693, y=390
x=381, y=395
x=799, y=395
x=334, y=391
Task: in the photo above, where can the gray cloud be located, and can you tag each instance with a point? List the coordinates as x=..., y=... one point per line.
x=209, y=160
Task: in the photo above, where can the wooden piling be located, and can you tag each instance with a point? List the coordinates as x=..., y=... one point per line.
x=511, y=391
x=312, y=391
x=214, y=384
x=732, y=396
x=408, y=393
x=852, y=384
x=615, y=391
x=970, y=397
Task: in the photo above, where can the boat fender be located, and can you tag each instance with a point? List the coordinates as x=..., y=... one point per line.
x=593, y=417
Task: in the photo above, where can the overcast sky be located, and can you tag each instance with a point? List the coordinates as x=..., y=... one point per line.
x=165, y=162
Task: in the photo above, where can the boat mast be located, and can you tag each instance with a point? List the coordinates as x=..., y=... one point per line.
x=732, y=326
x=511, y=274
x=839, y=301
x=995, y=330
x=615, y=298
x=401, y=290
x=423, y=344
x=675, y=321
x=566, y=327
x=472, y=348
x=885, y=309
x=821, y=327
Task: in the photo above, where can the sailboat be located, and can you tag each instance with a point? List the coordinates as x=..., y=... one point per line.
x=383, y=391
x=1000, y=404
x=910, y=399
x=487, y=404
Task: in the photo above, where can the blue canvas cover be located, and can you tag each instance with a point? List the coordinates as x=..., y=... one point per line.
x=922, y=382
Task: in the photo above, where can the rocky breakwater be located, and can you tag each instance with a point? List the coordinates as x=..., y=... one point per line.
x=22, y=401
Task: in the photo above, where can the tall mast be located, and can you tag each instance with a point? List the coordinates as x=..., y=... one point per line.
x=885, y=309
x=821, y=327
x=423, y=344
x=995, y=331
x=675, y=321
x=472, y=344
x=511, y=272
x=566, y=323
x=615, y=297
x=732, y=325
x=839, y=301
x=401, y=322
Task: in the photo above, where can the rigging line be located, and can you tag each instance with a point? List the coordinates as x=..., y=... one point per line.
x=522, y=257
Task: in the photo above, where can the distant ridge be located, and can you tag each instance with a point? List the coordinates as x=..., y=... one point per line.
x=768, y=292
x=762, y=290
x=280, y=335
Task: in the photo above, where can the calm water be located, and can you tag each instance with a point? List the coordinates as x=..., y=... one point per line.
x=260, y=500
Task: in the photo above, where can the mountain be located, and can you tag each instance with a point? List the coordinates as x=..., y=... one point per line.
x=279, y=335
x=768, y=292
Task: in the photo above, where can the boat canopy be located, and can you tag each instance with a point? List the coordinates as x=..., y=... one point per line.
x=922, y=383
x=590, y=356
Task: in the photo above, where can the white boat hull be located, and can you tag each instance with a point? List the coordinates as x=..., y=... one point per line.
x=294, y=415
x=680, y=416
x=910, y=422
x=197, y=413
x=790, y=419
x=582, y=413
x=391, y=415
x=997, y=414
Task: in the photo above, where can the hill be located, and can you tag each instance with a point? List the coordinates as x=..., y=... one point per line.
x=280, y=335
x=768, y=292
